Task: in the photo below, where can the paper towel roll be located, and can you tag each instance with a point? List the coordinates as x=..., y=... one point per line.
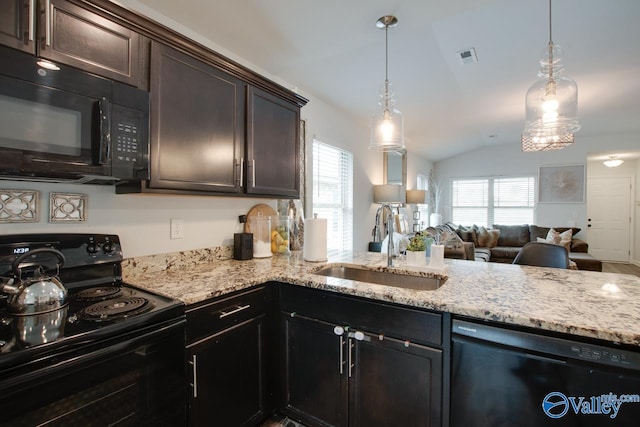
x=315, y=240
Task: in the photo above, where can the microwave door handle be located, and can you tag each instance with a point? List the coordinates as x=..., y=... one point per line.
x=105, y=131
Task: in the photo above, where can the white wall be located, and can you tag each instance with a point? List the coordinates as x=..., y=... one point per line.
x=509, y=160
x=142, y=221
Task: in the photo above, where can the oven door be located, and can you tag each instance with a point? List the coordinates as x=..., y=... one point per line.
x=126, y=381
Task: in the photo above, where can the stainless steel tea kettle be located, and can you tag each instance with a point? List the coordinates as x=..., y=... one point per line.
x=38, y=294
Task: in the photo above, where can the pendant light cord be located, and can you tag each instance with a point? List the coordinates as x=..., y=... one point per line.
x=386, y=66
x=550, y=47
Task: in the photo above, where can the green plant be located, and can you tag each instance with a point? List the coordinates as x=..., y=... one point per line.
x=417, y=243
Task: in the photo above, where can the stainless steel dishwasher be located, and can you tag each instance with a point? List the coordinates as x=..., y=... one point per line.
x=506, y=377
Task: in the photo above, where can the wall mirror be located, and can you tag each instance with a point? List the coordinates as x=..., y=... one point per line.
x=395, y=167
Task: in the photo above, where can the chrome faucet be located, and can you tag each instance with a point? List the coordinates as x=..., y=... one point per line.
x=390, y=246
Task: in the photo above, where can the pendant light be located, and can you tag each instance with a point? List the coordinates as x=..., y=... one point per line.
x=551, y=104
x=387, y=127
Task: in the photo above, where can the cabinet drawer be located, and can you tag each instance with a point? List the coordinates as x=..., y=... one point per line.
x=211, y=316
x=373, y=316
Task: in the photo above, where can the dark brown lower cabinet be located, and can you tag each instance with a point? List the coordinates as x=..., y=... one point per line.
x=229, y=376
x=334, y=375
x=314, y=387
x=394, y=383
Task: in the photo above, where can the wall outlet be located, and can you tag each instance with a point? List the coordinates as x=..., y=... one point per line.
x=177, y=228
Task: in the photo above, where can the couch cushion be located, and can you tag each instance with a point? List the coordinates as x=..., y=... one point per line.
x=585, y=261
x=512, y=235
x=508, y=252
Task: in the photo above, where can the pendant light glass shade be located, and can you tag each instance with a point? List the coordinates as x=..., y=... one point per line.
x=551, y=104
x=387, y=125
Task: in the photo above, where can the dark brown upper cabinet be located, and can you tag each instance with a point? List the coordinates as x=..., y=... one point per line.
x=273, y=145
x=215, y=134
x=64, y=32
x=197, y=124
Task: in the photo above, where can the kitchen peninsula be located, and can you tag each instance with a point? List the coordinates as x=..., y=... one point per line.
x=270, y=335
x=590, y=304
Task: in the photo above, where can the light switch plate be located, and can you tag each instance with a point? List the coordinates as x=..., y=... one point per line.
x=177, y=228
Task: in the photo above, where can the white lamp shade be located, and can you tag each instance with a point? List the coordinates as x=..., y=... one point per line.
x=416, y=196
x=389, y=193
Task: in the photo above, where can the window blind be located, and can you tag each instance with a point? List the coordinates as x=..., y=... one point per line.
x=488, y=201
x=333, y=194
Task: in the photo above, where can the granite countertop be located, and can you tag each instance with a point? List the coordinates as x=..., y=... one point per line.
x=585, y=303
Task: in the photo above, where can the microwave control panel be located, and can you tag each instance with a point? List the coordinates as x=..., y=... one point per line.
x=129, y=143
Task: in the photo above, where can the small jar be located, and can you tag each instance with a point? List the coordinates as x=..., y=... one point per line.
x=261, y=228
x=280, y=233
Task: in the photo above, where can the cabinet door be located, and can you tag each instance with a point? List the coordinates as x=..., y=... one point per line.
x=17, y=25
x=394, y=383
x=273, y=145
x=229, y=371
x=78, y=37
x=313, y=372
x=197, y=115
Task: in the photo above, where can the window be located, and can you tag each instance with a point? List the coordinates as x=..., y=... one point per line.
x=487, y=201
x=333, y=194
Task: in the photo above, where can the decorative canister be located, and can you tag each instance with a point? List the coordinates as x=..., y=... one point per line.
x=280, y=233
x=261, y=229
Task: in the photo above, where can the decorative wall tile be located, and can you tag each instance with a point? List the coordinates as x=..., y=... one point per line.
x=67, y=207
x=19, y=206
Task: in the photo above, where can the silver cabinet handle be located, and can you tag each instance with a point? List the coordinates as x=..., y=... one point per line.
x=47, y=22
x=194, y=365
x=238, y=309
x=241, y=170
x=253, y=171
x=350, y=350
x=341, y=355
x=32, y=19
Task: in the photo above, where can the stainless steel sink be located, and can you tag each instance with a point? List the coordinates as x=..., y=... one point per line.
x=386, y=278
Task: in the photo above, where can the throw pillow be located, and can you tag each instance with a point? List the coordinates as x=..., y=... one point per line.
x=562, y=239
x=487, y=238
x=467, y=234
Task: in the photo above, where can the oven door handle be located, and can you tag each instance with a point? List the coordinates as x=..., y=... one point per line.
x=104, y=108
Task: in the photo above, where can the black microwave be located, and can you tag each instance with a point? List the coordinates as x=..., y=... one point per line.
x=69, y=125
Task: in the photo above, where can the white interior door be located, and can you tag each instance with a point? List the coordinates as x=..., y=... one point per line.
x=609, y=218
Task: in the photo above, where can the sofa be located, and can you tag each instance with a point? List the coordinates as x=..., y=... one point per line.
x=503, y=242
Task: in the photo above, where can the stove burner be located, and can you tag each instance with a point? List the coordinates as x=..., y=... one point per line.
x=113, y=309
x=99, y=293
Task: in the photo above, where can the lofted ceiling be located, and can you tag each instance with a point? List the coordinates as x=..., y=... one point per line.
x=332, y=50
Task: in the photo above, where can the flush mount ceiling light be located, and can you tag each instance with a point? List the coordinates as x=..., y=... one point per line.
x=551, y=104
x=613, y=162
x=387, y=127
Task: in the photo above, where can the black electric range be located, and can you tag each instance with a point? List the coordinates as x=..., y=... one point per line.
x=104, y=319
x=100, y=305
